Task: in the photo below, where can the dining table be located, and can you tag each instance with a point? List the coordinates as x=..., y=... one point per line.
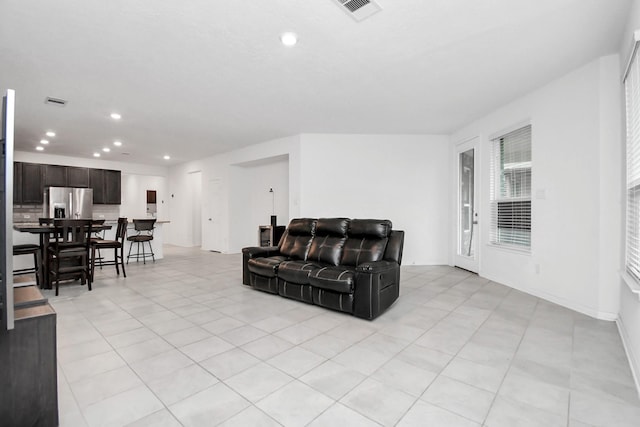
x=45, y=232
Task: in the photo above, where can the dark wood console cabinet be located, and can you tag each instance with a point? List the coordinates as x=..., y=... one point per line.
x=28, y=369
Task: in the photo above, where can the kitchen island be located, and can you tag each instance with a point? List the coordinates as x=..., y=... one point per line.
x=156, y=243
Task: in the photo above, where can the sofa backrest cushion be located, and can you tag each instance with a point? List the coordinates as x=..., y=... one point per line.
x=394, y=247
x=327, y=245
x=296, y=241
x=371, y=228
x=367, y=241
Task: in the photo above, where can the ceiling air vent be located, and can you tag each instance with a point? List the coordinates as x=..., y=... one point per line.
x=359, y=9
x=55, y=101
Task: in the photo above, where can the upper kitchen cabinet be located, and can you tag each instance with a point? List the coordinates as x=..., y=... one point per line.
x=96, y=181
x=55, y=176
x=32, y=187
x=113, y=192
x=30, y=180
x=106, y=186
x=77, y=177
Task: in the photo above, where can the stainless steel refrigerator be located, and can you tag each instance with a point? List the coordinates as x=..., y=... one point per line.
x=67, y=202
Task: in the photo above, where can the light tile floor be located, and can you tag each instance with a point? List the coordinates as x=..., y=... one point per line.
x=183, y=343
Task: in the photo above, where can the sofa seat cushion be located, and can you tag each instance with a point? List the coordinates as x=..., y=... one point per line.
x=296, y=271
x=265, y=266
x=295, y=291
x=333, y=300
x=336, y=279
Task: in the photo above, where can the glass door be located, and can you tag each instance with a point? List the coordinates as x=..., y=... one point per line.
x=467, y=215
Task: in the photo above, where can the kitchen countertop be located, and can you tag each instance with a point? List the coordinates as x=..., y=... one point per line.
x=159, y=221
x=107, y=221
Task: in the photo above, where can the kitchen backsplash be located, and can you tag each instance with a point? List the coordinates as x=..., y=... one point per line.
x=31, y=213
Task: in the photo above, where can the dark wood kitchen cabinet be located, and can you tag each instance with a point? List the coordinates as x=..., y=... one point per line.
x=17, y=183
x=96, y=181
x=113, y=192
x=77, y=177
x=30, y=180
x=106, y=186
x=32, y=187
x=55, y=176
x=66, y=176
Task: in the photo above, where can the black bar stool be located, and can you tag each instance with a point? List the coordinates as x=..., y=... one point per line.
x=30, y=249
x=95, y=236
x=144, y=228
x=117, y=245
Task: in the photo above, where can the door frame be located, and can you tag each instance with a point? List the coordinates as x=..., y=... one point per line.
x=459, y=260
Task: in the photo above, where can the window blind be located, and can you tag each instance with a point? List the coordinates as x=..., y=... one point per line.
x=632, y=95
x=511, y=189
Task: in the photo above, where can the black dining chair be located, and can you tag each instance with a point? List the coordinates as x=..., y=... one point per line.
x=117, y=245
x=46, y=222
x=144, y=229
x=68, y=253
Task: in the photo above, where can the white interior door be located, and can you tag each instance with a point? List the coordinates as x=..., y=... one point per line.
x=195, y=184
x=212, y=237
x=467, y=207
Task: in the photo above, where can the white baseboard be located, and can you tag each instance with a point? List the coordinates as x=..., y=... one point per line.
x=634, y=361
x=564, y=302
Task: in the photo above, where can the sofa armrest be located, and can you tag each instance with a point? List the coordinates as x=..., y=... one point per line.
x=255, y=252
x=260, y=251
x=377, y=286
x=376, y=266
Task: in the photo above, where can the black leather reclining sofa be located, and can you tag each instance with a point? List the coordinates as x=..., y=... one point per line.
x=350, y=265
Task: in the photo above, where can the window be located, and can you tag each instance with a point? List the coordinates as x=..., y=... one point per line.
x=511, y=189
x=632, y=88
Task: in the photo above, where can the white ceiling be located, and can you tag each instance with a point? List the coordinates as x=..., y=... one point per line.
x=200, y=77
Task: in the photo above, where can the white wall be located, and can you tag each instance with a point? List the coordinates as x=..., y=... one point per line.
x=134, y=196
x=251, y=201
x=576, y=190
x=629, y=317
x=242, y=202
x=403, y=178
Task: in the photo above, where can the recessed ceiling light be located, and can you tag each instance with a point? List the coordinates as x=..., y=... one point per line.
x=167, y=157
x=116, y=116
x=44, y=141
x=40, y=148
x=96, y=154
x=289, y=39
x=117, y=143
x=106, y=149
x=51, y=134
